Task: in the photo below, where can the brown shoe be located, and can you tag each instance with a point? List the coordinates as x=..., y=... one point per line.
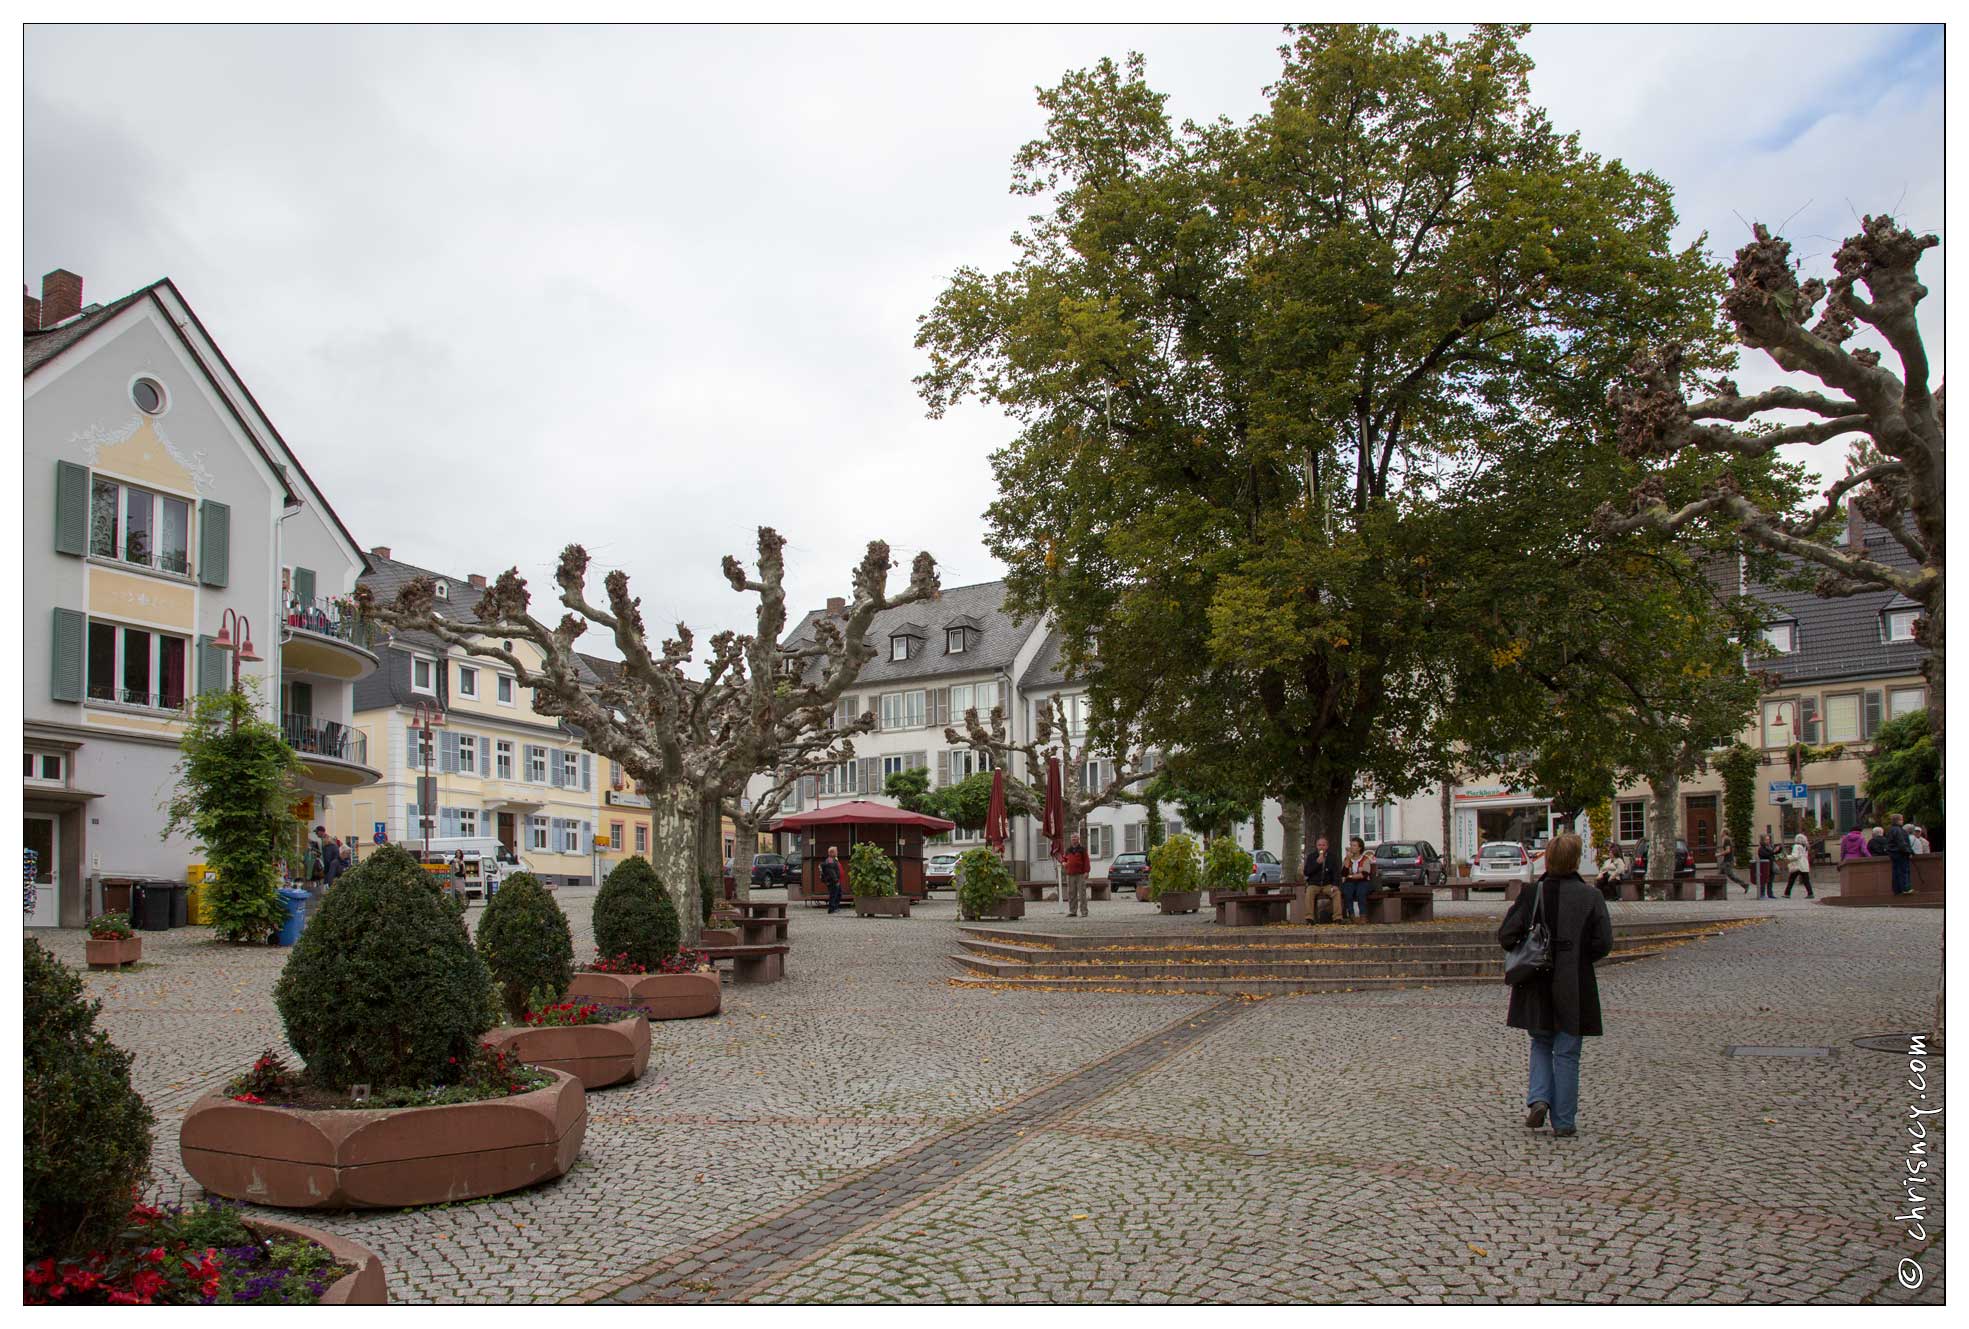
x=1535, y=1116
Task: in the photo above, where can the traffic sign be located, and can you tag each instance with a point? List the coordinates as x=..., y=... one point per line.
x=1783, y=791
x=381, y=835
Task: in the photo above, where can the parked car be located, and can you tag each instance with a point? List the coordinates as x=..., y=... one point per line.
x=1264, y=866
x=1408, y=863
x=1501, y=862
x=1128, y=870
x=772, y=870
x=939, y=871
x=1685, y=860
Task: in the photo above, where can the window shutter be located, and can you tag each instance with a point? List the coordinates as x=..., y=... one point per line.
x=71, y=509
x=1871, y=715
x=211, y=667
x=448, y=755
x=587, y=773
x=939, y=706
x=485, y=755
x=304, y=585
x=587, y=837
x=1808, y=719
x=871, y=774
x=554, y=768
x=71, y=630
x=214, y=542
x=943, y=769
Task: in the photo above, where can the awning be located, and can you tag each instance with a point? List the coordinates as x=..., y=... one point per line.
x=860, y=813
x=55, y=794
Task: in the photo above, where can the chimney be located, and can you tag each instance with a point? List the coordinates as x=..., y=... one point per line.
x=61, y=297
x=1855, y=532
x=477, y=580
x=381, y=551
x=32, y=319
x=836, y=606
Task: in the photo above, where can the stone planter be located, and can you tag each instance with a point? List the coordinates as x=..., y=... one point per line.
x=881, y=906
x=1008, y=906
x=1181, y=902
x=364, y=1285
x=113, y=952
x=1142, y=893
x=383, y=1158
x=598, y=1055
x=718, y=937
x=659, y=996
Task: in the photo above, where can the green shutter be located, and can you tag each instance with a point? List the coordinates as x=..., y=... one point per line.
x=71, y=508
x=214, y=542
x=71, y=630
x=304, y=586
x=211, y=667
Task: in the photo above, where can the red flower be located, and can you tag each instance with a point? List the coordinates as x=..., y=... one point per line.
x=155, y=1255
x=147, y=1283
x=247, y=1098
x=44, y=1272
x=118, y=1297
x=81, y=1279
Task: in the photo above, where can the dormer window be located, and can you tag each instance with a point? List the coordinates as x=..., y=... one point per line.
x=1782, y=637
x=957, y=641
x=442, y=590
x=898, y=648
x=1898, y=624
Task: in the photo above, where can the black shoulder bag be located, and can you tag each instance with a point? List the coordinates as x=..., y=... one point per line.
x=1531, y=959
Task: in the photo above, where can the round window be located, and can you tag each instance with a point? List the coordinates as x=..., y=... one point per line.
x=148, y=395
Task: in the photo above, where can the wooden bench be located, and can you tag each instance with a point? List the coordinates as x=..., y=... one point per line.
x=751, y=963
x=1035, y=892
x=762, y=931
x=1099, y=890
x=1409, y=906
x=1253, y=909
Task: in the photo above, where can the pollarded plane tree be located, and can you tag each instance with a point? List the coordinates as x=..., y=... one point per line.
x=1894, y=422
x=763, y=703
x=749, y=814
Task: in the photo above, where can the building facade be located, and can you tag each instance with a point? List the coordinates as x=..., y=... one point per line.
x=492, y=769
x=163, y=507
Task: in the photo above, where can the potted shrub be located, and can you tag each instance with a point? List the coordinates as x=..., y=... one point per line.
x=874, y=875
x=398, y=1103
x=525, y=943
x=88, y=1147
x=1175, y=876
x=637, y=962
x=985, y=888
x=112, y=943
x=1226, y=868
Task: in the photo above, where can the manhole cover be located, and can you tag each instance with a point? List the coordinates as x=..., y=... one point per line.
x=1901, y=1043
x=1753, y=1050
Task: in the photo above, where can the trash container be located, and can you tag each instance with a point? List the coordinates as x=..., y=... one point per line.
x=296, y=904
x=150, y=906
x=199, y=903
x=116, y=896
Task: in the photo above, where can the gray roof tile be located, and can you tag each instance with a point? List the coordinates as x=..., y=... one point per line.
x=1839, y=638
x=981, y=606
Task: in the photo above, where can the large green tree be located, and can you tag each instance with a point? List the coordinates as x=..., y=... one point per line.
x=1256, y=370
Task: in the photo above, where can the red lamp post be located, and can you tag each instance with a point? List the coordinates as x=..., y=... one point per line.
x=427, y=719
x=236, y=639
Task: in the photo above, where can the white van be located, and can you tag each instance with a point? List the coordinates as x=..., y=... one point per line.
x=487, y=861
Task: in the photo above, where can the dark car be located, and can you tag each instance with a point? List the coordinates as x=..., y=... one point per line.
x=1408, y=863
x=1685, y=861
x=1128, y=871
x=771, y=870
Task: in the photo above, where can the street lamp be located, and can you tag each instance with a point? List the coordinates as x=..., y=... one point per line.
x=232, y=623
x=429, y=719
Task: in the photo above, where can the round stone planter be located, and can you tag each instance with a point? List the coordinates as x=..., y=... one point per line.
x=1181, y=902
x=364, y=1285
x=718, y=937
x=598, y=1055
x=383, y=1158
x=881, y=906
x=114, y=953
x=659, y=996
x=1142, y=893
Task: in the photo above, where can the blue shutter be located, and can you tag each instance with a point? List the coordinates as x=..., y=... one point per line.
x=71, y=631
x=213, y=667
x=447, y=755
x=587, y=773
x=485, y=757
x=554, y=767
x=71, y=509
x=304, y=587
x=214, y=542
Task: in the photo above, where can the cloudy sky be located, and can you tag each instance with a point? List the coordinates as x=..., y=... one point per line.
x=502, y=288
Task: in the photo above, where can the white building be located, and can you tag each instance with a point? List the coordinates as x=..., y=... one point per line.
x=159, y=497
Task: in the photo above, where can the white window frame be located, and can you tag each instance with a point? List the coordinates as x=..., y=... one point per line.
x=570, y=769
x=570, y=836
x=468, y=681
x=536, y=834
x=504, y=690
x=37, y=768
x=1782, y=637
x=642, y=837
x=898, y=648
x=120, y=545
x=1894, y=617
x=466, y=820
x=430, y=685
x=118, y=653
x=1828, y=725
x=468, y=754
x=616, y=835
x=1638, y=809
x=955, y=641
x=502, y=759
x=1919, y=701
x=536, y=759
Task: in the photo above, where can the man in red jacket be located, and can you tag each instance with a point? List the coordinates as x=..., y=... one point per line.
x=1074, y=865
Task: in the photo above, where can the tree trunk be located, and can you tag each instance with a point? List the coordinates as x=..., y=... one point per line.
x=1258, y=827
x=1449, y=820
x=673, y=852
x=1329, y=817
x=1293, y=830
x=745, y=845
x=1663, y=795
x=710, y=853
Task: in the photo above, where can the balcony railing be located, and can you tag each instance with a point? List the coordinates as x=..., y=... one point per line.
x=327, y=618
x=325, y=738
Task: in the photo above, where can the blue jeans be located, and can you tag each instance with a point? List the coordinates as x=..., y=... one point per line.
x=1353, y=897
x=1555, y=1076
x=1903, y=870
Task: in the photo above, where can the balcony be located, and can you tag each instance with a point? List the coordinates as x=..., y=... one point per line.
x=326, y=637
x=333, y=756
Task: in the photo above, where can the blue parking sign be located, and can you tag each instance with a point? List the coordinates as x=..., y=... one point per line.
x=380, y=835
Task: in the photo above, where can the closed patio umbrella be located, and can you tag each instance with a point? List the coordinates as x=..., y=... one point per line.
x=1053, y=818
x=996, y=831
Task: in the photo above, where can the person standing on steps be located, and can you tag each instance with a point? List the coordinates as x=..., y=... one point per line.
x=830, y=877
x=1073, y=878
x=1800, y=866
x=1900, y=855
x=1562, y=1008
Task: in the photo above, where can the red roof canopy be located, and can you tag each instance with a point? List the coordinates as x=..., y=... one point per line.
x=860, y=813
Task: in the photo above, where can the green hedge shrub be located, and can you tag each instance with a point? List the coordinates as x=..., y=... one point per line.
x=88, y=1131
x=1174, y=867
x=524, y=941
x=1226, y=866
x=384, y=987
x=982, y=878
x=635, y=916
x=871, y=872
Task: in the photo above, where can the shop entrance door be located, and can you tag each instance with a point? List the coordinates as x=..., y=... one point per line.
x=41, y=833
x=1702, y=825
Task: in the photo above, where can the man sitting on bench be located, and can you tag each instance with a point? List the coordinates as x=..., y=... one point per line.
x=1322, y=882
x=1612, y=873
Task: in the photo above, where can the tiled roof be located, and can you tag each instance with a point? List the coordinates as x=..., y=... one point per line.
x=1045, y=671
x=41, y=347
x=982, y=606
x=1840, y=637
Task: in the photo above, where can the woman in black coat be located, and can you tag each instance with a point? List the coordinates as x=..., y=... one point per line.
x=1563, y=1008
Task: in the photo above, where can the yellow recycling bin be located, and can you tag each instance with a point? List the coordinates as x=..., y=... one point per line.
x=201, y=879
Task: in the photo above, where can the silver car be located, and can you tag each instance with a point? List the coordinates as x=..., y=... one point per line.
x=1265, y=866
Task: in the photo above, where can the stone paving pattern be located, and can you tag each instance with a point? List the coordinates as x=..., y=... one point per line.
x=1133, y=1148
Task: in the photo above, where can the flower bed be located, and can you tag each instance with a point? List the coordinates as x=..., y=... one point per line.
x=211, y=1255
x=598, y=1045
x=112, y=942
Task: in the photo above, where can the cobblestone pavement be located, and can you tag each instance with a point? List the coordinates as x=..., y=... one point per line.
x=864, y=1131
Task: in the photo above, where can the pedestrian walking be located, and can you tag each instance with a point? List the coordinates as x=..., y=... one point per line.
x=1800, y=865
x=1726, y=861
x=1357, y=879
x=1322, y=873
x=331, y=862
x=1900, y=855
x=1073, y=884
x=830, y=877
x=1561, y=1008
x=1767, y=866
